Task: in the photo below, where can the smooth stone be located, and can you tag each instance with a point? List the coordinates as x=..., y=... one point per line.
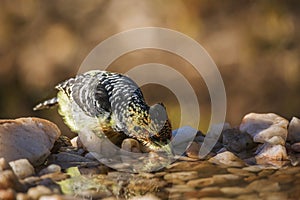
x=294, y=130
x=264, y=128
x=209, y=191
x=8, y=194
x=8, y=180
x=236, y=141
x=264, y=185
x=235, y=190
x=38, y=191
x=3, y=164
x=58, y=176
x=272, y=155
x=58, y=197
x=131, y=145
x=30, y=138
x=296, y=147
x=145, y=197
x=22, y=168
x=184, y=176
x=228, y=159
x=53, y=168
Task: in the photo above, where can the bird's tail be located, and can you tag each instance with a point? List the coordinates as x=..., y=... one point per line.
x=46, y=104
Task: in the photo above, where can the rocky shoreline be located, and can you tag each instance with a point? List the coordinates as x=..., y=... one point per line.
x=259, y=159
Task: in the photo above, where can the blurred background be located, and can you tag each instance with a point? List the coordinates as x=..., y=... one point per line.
x=255, y=45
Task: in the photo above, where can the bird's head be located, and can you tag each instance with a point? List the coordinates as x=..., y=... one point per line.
x=160, y=129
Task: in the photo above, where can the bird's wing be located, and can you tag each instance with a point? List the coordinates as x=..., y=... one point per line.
x=88, y=93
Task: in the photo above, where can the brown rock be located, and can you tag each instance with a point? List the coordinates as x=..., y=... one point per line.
x=8, y=194
x=9, y=180
x=3, y=164
x=30, y=138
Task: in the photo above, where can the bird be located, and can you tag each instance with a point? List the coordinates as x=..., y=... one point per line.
x=112, y=106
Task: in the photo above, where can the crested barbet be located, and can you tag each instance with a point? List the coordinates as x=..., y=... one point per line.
x=112, y=106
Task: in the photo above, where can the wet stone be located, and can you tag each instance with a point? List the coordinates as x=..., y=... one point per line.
x=22, y=168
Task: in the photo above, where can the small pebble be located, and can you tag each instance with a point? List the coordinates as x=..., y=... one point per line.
x=38, y=191
x=8, y=194
x=53, y=168
x=22, y=168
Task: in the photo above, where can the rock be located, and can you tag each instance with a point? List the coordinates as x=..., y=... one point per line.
x=8, y=180
x=131, y=145
x=294, y=130
x=264, y=185
x=22, y=168
x=270, y=154
x=193, y=150
x=235, y=190
x=30, y=138
x=184, y=176
x=38, y=191
x=236, y=141
x=66, y=160
x=264, y=128
x=228, y=159
x=53, y=168
x=201, y=182
x=145, y=197
x=3, y=164
x=273, y=195
x=296, y=147
x=8, y=194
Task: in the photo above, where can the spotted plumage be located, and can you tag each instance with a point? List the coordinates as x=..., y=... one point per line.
x=111, y=105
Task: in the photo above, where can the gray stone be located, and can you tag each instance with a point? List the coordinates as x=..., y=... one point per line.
x=30, y=138
x=22, y=168
x=294, y=130
x=236, y=141
x=264, y=128
x=53, y=168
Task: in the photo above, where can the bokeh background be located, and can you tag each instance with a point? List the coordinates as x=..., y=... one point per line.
x=255, y=45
